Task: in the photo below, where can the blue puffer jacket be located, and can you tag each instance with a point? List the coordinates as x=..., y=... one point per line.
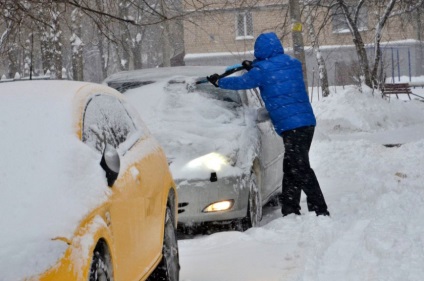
x=280, y=80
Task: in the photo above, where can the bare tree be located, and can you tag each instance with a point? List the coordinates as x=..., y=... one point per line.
x=351, y=11
x=310, y=14
x=352, y=17
x=77, y=45
x=166, y=44
x=377, y=39
x=55, y=37
x=122, y=24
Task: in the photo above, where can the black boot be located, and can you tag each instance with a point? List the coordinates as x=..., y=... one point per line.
x=288, y=210
x=323, y=213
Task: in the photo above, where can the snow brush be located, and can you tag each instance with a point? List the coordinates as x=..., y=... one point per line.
x=228, y=71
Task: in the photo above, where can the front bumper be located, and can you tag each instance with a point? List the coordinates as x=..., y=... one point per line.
x=195, y=196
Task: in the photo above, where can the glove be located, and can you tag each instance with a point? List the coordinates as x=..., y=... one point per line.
x=213, y=79
x=247, y=64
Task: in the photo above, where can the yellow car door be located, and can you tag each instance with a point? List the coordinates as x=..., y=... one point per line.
x=153, y=179
x=106, y=121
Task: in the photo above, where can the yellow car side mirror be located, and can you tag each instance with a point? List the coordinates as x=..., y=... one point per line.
x=110, y=163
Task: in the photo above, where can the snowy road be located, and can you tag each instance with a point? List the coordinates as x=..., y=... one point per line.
x=375, y=195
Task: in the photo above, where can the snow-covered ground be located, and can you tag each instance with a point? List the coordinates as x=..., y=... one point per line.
x=375, y=195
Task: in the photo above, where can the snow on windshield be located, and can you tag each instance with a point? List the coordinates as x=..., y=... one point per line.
x=108, y=122
x=193, y=122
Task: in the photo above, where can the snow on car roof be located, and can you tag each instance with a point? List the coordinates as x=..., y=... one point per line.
x=191, y=123
x=164, y=73
x=48, y=176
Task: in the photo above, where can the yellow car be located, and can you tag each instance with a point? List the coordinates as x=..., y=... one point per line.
x=86, y=193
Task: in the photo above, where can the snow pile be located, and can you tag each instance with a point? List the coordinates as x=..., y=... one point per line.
x=353, y=111
x=375, y=196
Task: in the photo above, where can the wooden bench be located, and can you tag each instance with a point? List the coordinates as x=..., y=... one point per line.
x=396, y=89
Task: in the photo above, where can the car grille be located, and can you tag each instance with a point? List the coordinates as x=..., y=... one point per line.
x=181, y=207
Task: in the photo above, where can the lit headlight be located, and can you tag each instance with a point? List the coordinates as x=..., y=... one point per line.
x=212, y=161
x=219, y=206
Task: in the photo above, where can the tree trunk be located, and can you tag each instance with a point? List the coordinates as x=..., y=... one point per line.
x=104, y=55
x=322, y=69
x=166, y=44
x=125, y=36
x=55, y=37
x=27, y=56
x=166, y=58
x=13, y=61
x=137, y=48
x=77, y=46
x=359, y=44
x=363, y=59
x=377, y=39
x=103, y=45
x=418, y=24
x=298, y=46
x=46, y=56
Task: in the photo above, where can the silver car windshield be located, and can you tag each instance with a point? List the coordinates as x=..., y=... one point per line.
x=220, y=94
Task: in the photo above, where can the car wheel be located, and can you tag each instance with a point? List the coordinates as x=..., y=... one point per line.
x=169, y=267
x=254, y=206
x=101, y=266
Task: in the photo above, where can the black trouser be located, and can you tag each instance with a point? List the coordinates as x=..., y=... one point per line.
x=298, y=174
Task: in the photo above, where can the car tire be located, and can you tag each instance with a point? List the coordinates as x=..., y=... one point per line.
x=254, y=206
x=101, y=267
x=169, y=267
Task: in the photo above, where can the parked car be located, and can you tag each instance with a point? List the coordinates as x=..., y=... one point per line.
x=86, y=192
x=224, y=156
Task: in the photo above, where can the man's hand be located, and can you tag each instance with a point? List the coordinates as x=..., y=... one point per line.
x=247, y=64
x=213, y=79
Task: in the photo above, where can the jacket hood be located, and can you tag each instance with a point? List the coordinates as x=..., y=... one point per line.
x=268, y=45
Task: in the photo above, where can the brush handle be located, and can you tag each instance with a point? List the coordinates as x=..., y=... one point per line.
x=230, y=71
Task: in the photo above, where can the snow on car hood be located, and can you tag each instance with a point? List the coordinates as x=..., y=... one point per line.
x=49, y=178
x=199, y=132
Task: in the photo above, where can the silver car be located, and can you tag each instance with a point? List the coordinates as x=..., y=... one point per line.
x=221, y=146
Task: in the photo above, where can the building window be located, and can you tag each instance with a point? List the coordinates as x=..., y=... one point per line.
x=340, y=24
x=244, y=26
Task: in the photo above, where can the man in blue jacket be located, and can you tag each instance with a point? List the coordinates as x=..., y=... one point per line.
x=280, y=80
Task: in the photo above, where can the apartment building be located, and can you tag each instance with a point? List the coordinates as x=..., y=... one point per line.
x=223, y=33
